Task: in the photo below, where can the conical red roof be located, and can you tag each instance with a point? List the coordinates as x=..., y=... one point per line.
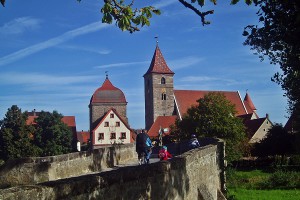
x=158, y=64
x=108, y=93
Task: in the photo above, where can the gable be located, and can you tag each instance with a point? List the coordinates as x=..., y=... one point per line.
x=161, y=122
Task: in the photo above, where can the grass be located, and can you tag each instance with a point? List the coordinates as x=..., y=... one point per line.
x=259, y=184
x=251, y=194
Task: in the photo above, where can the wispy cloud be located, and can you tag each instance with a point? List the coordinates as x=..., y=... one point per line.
x=121, y=64
x=212, y=80
x=185, y=62
x=19, y=25
x=52, y=42
x=80, y=48
x=14, y=78
x=164, y=3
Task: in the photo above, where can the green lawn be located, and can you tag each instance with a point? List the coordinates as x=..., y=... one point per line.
x=255, y=184
x=250, y=194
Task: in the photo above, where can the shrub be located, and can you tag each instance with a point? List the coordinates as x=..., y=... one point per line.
x=295, y=160
x=282, y=180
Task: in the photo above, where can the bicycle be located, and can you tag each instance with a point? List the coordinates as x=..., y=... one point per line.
x=142, y=158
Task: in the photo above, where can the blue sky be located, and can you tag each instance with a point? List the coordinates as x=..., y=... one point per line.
x=54, y=54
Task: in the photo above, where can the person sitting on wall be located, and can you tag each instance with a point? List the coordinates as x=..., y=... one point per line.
x=194, y=143
x=163, y=154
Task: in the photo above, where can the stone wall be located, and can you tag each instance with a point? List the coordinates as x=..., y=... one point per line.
x=195, y=174
x=41, y=169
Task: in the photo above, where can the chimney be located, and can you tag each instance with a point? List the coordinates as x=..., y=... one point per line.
x=34, y=114
x=267, y=115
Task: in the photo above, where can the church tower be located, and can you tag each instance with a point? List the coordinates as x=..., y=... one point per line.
x=159, y=89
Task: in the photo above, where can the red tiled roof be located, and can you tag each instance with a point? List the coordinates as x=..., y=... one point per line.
x=158, y=64
x=161, y=122
x=108, y=93
x=248, y=103
x=186, y=98
x=83, y=136
x=68, y=120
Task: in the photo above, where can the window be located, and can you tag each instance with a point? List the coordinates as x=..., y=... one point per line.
x=163, y=96
x=113, y=136
x=106, y=124
x=123, y=135
x=112, y=115
x=101, y=136
x=163, y=80
x=117, y=124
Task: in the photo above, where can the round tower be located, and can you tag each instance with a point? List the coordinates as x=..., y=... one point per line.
x=104, y=98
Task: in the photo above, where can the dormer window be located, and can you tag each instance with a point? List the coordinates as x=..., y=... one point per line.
x=163, y=80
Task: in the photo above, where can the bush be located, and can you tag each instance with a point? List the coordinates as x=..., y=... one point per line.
x=1, y=162
x=282, y=180
x=295, y=160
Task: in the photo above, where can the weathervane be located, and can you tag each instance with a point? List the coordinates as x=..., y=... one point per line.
x=106, y=72
x=156, y=37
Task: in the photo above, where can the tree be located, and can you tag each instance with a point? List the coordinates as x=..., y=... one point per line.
x=129, y=18
x=276, y=142
x=15, y=136
x=277, y=38
x=52, y=135
x=214, y=116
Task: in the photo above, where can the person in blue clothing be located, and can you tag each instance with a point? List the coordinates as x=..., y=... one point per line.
x=143, y=145
x=194, y=143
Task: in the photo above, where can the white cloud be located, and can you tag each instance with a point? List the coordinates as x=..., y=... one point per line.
x=13, y=78
x=184, y=62
x=87, y=49
x=19, y=25
x=52, y=42
x=120, y=64
x=164, y=3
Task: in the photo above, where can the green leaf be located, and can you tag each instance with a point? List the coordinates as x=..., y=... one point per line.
x=201, y=2
x=214, y=2
x=157, y=12
x=248, y=2
x=233, y=2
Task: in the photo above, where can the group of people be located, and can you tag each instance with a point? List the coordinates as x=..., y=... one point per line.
x=144, y=147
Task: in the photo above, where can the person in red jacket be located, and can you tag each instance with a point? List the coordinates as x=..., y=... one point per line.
x=163, y=154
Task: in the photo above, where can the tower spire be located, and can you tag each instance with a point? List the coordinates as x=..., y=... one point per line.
x=156, y=37
x=106, y=72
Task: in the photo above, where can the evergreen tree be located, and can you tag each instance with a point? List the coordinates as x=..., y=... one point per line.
x=15, y=136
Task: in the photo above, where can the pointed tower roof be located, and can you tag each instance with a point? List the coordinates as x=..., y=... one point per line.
x=248, y=102
x=158, y=63
x=108, y=93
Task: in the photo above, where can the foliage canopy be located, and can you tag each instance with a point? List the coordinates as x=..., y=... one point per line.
x=214, y=116
x=277, y=38
x=48, y=136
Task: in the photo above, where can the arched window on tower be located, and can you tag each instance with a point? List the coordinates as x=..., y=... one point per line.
x=163, y=96
x=163, y=80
